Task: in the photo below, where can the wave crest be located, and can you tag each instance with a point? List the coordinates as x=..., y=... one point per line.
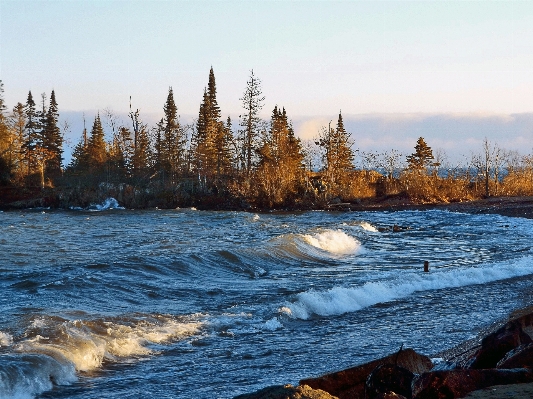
x=340, y=300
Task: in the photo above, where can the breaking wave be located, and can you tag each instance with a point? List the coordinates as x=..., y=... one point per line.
x=53, y=349
x=340, y=300
x=109, y=203
x=335, y=242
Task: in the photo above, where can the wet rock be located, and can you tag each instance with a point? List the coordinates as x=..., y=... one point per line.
x=495, y=346
x=389, y=378
x=453, y=384
x=350, y=383
x=521, y=357
x=287, y=392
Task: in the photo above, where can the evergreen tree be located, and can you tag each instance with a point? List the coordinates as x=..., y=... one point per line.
x=173, y=143
x=7, y=141
x=31, y=139
x=281, y=168
x=18, y=125
x=52, y=138
x=338, y=156
x=252, y=102
x=421, y=158
x=96, y=149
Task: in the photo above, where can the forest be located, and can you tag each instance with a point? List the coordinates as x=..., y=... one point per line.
x=213, y=163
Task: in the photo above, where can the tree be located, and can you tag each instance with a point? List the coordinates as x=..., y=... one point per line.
x=52, y=138
x=422, y=158
x=96, y=146
x=7, y=141
x=281, y=167
x=173, y=140
x=18, y=125
x=141, y=144
x=212, y=140
x=337, y=156
x=30, y=134
x=252, y=102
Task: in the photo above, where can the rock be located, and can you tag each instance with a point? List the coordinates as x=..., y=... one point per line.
x=350, y=383
x=495, y=346
x=287, y=392
x=390, y=395
x=389, y=378
x=451, y=384
x=518, y=358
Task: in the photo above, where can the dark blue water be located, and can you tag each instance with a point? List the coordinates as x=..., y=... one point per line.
x=181, y=303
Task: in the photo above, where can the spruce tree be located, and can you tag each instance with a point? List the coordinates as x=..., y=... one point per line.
x=52, y=138
x=421, y=158
x=281, y=168
x=173, y=143
x=337, y=156
x=7, y=141
x=31, y=139
x=96, y=146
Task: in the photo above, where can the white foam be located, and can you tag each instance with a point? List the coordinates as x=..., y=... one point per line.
x=272, y=324
x=339, y=300
x=87, y=344
x=109, y=203
x=6, y=339
x=336, y=242
x=25, y=376
x=368, y=227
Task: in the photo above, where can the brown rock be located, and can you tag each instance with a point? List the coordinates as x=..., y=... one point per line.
x=390, y=395
x=518, y=358
x=287, y=392
x=451, y=384
x=495, y=346
x=389, y=378
x=350, y=383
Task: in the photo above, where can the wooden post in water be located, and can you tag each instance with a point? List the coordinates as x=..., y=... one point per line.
x=426, y=266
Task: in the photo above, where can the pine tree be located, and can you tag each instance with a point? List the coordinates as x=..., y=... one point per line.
x=30, y=134
x=18, y=125
x=97, y=154
x=281, y=166
x=212, y=140
x=421, y=158
x=338, y=156
x=252, y=102
x=52, y=138
x=7, y=141
x=173, y=142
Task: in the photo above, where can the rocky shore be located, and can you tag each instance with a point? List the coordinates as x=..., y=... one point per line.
x=496, y=365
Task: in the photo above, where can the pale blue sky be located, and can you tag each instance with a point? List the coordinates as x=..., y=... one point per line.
x=313, y=57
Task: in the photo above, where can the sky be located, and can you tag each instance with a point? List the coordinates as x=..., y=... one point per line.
x=452, y=71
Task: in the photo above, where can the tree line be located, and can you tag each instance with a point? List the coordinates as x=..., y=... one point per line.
x=214, y=164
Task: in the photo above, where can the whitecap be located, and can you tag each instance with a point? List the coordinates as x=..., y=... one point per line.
x=335, y=242
x=340, y=300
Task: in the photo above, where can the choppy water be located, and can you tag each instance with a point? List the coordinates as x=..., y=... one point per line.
x=116, y=303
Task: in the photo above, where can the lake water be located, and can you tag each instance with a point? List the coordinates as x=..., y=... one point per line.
x=182, y=303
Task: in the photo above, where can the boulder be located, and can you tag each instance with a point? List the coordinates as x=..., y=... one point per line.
x=495, y=346
x=521, y=357
x=451, y=384
x=389, y=378
x=287, y=392
x=350, y=383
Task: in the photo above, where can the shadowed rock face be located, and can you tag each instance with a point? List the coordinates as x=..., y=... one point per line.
x=287, y=392
x=451, y=384
x=495, y=346
x=521, y=357
x=350, y=383
x=389, y=378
